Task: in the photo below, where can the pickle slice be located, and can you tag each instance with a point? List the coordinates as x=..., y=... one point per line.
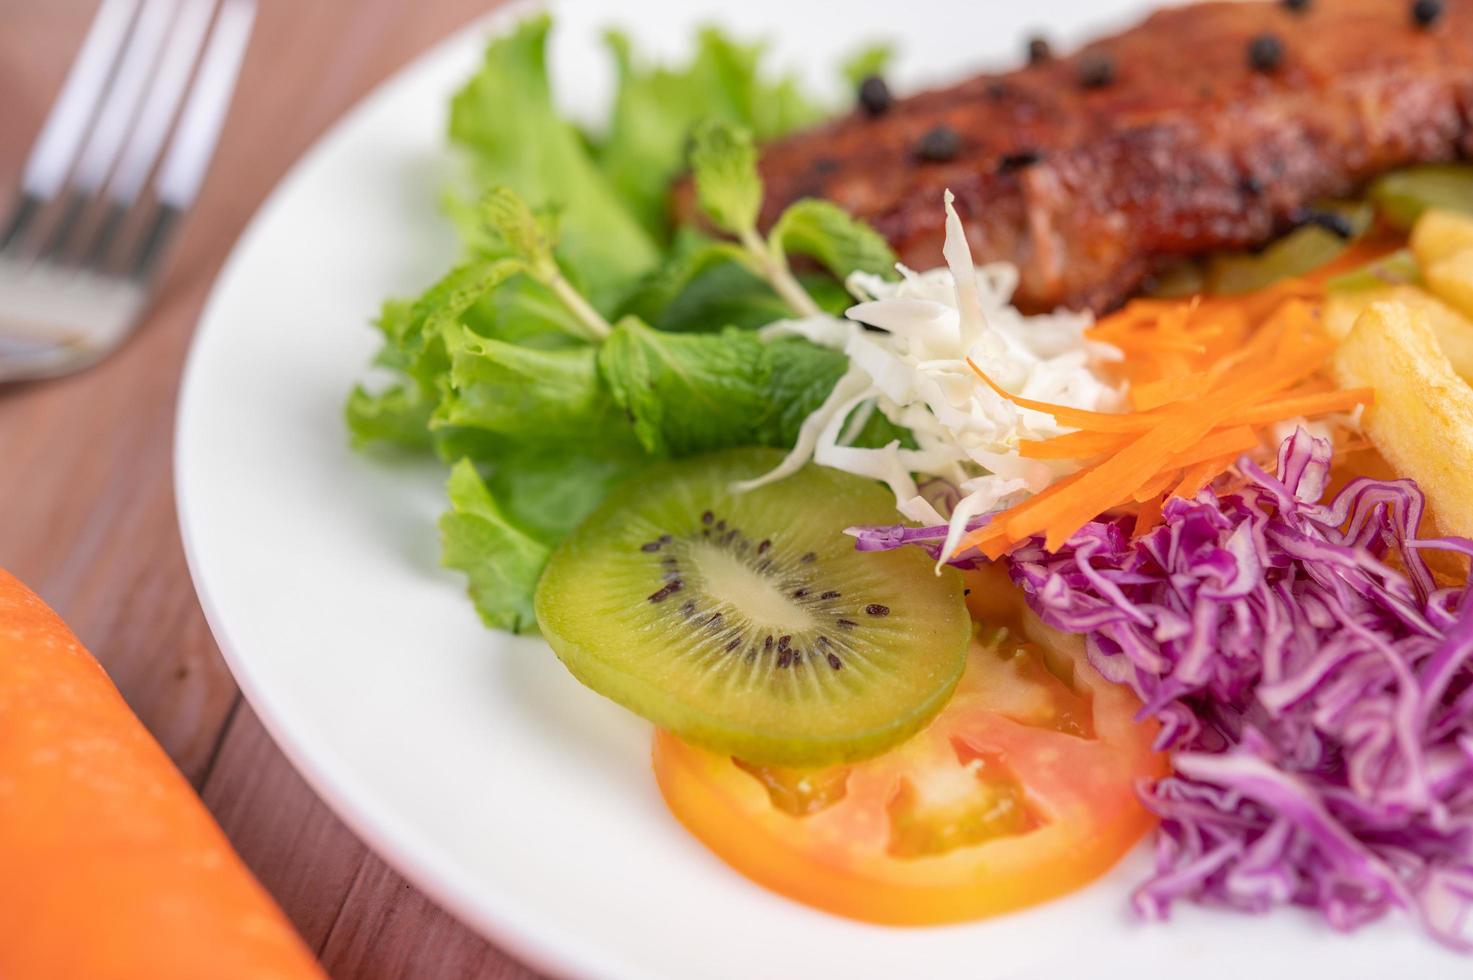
x=1402, y=195
x=1397, y=269
x=1297, y=253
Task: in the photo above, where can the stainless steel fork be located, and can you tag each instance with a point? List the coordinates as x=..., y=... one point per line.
x=88, y=227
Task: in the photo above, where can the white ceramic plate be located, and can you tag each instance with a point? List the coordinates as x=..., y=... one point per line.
x=471, y=760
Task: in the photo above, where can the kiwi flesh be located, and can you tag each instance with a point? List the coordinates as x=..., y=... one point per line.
x=747, y=622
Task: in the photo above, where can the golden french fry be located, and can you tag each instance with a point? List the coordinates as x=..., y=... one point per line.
x=1422, y=419
x=1438, y=234
x=1453, y=330
x=1451, y=278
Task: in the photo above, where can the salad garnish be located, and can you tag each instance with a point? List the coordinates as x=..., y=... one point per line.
x=583, y=337
x=1208, y=380
x=1196, y=425
x=911, y=346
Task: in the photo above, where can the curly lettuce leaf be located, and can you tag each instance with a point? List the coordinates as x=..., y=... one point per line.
x=506, y=119
x=538, y=396
x=872, y=59
x=398, y=416
x=414, y=349
x=506, y=517
x=501, y=561
x=413, y=332
x=693, y=393
x=656, y=107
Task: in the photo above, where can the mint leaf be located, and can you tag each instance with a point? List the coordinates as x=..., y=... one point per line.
x=721, y=295
x=799, y=377
x=501, y=561
x=729, y=190
x=548, y=488
x=706, y=285
x=524, y=311
x=693, y=258
x=724, y=163
x=506, y=119
x=825, y=232
x=685, y=392
x=527, y=236
x=693, y=393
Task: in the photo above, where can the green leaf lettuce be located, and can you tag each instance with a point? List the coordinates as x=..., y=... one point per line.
x=501, y=561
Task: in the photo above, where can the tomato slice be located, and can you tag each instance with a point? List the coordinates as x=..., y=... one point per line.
x=1021, y=790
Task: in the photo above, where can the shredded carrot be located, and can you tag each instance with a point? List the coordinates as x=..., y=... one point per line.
x=1198, y=476
x=1231, y=443
x=1074, y=445
x=1207, y=377
x=1148, y=515
x=1080, y=418
x=1313, y=403
x=1158, y=486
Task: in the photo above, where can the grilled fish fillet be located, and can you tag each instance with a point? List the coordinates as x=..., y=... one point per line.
x=1191, y=147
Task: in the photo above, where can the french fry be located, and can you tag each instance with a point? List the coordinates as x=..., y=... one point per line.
x=1451, y=278
x=1454, y=331
x=1422, y=419
x=1438, y=234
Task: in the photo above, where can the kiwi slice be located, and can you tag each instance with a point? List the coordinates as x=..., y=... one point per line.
x=747, y=622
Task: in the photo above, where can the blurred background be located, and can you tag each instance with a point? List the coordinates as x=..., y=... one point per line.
x=86, y=502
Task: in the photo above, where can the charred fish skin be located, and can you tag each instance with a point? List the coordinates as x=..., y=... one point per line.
x=1205, y=127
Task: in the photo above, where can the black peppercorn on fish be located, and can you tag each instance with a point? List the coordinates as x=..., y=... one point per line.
x=1205, y=127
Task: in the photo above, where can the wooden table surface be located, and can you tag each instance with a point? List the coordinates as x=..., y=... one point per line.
x=86, y=497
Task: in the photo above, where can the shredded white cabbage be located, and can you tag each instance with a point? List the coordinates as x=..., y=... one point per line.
x=913, y=369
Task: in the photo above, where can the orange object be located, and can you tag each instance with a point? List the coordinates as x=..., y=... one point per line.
x=1022, y=789
x=1206, y=377
x=110, y=866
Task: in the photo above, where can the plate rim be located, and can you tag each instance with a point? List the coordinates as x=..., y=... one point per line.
x=526, y=938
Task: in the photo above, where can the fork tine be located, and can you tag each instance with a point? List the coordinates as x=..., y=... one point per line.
x=160, y=104
x=60, y=318
x=119, y=107
x=103, y=236
x=193, y=144
x=56, y=146
x=61, y=233
x=21, y=215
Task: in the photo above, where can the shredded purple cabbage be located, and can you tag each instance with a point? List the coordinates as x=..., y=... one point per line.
x=1313, y=683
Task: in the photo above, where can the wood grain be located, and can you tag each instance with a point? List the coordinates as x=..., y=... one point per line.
x=85, y=479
